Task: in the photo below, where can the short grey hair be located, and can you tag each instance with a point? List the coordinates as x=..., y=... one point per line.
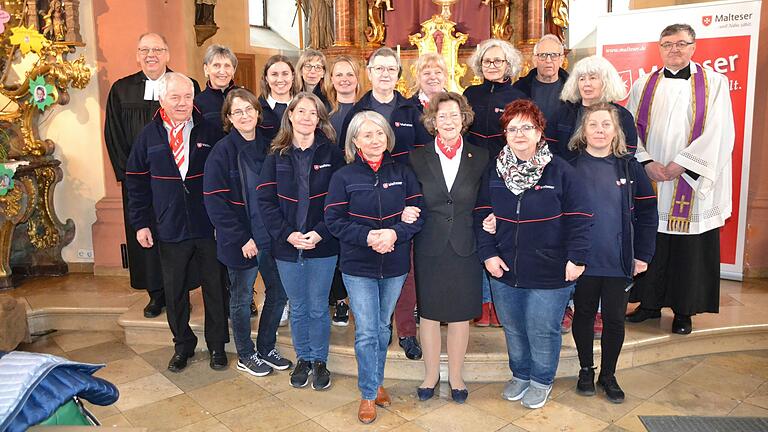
x=350, y=150
x=677, y=28
x=214, y=51
x=385, y=52
x=549, y=37
x=143, y=35
x=162, y=83
x=511, y=54
x=613, y=86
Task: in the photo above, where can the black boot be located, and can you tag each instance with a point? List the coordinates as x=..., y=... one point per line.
x=613, y=392
x=586, y=384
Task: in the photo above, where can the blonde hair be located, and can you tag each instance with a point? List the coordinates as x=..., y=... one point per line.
x=350, y=149
x=578, y=141
x=330, y=90
x=425, y=61
x=284, y=139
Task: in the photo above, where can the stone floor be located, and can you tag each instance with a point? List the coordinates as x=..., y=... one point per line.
x=200, y=399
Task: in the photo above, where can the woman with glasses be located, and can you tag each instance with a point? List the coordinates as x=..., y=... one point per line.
x=535, y=247
x=363, y=210
x=242, y=242
x=294, y=183
x=403, y=115
x=446, y=264
x=278, y=86
x=497, y=62
x=431, y=77
x=311, y=67
x=593, y=80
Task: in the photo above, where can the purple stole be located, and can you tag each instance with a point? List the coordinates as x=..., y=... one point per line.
x=682, y=203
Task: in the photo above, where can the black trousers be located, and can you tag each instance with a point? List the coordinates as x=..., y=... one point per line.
x=143, y=264
x=590, y=292
x=684, y=274
x=338, y=290
x=178, y=259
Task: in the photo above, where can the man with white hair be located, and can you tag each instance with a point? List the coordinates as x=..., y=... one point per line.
x=544, y=83
x=164, y=180
x=131, y=103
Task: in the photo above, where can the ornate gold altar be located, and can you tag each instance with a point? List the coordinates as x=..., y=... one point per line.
x=35, y=38
x=361, y=26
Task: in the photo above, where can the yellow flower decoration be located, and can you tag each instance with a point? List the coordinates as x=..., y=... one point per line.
x=28, y=39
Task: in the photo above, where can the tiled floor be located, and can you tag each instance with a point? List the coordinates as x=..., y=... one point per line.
x=200, y=399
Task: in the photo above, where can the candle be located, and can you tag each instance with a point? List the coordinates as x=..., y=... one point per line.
x=398, y=51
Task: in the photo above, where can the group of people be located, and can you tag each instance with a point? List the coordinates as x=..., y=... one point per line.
x=507, y=201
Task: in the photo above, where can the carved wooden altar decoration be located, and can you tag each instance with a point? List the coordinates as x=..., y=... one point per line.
x=35, y=74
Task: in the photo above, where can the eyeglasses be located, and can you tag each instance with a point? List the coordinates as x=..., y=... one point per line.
x=240, y=113
x=525, y=129
x=310, y=67
x=666, y=46
x=545, y=56
x=378, y=70
x=449, y=116
x=155, y=51
x=495, y=62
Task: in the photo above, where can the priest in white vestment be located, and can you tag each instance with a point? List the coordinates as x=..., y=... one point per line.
x=685, y=140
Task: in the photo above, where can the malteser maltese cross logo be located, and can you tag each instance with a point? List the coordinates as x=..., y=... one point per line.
x=706, y=20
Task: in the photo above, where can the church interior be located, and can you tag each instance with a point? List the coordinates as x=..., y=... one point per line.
x=65, y=288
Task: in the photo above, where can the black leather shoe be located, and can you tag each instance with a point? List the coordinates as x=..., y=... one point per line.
x=153, y=308
x=219, y=360
x=458, y=396
x=179, y=362
x=682, y=324
x=411, y=347
x=640, y=314
x=427, y=393
x=586, y=384
x=613, y=392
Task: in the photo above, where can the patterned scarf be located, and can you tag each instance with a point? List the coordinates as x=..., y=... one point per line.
x=520, y=177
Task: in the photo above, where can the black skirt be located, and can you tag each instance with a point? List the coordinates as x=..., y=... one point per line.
x=449, y=286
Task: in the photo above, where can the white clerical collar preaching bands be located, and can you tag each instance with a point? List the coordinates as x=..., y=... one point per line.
x=151, y=88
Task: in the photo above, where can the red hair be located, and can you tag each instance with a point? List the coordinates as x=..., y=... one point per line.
x=526, y=109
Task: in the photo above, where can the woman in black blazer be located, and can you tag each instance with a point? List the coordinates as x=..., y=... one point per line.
x=448, y=272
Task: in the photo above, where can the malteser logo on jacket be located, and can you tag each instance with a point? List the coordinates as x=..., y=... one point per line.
x=498, y=110
x=540, y=187
x=387, y=185
x=706, y=20
x=401, y=124
x=201, y=145
x=317, y=167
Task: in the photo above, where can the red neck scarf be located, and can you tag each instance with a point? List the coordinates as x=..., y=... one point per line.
x=375, y=165
x=175, y=137
x=449, y=150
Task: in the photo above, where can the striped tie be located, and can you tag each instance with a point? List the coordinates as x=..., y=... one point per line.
x=175, y=138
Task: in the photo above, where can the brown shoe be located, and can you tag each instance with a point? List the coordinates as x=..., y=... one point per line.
x=367, y=411
x=382, y=398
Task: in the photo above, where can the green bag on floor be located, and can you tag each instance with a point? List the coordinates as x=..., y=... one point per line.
x=69, y=414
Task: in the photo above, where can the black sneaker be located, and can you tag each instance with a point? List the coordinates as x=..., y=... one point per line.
x=300, y=374
x=613, y=392
x=277, y=361
x=254, y=366
x=321, y=376
x=586, y=384
x=411, y=347
x=341, y=314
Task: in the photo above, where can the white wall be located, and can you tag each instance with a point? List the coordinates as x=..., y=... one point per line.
x=77, y=129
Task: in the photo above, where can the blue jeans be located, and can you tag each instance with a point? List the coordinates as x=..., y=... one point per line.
x=531, y=320
x=373, y=302
x=308, y=283
x=486, y=288
x=240, y=297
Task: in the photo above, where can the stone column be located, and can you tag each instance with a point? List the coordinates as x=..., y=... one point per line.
x=534, y=20
x=344, y=23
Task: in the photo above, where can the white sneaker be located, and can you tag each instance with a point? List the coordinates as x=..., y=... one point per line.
x=284, y=317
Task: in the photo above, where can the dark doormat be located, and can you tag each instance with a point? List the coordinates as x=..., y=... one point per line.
x=704, y=424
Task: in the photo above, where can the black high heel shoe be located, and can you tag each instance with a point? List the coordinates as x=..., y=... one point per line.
x=458, y=396
x=426, y=393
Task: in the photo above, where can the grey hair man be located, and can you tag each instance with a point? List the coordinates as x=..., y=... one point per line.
x=544, y=83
